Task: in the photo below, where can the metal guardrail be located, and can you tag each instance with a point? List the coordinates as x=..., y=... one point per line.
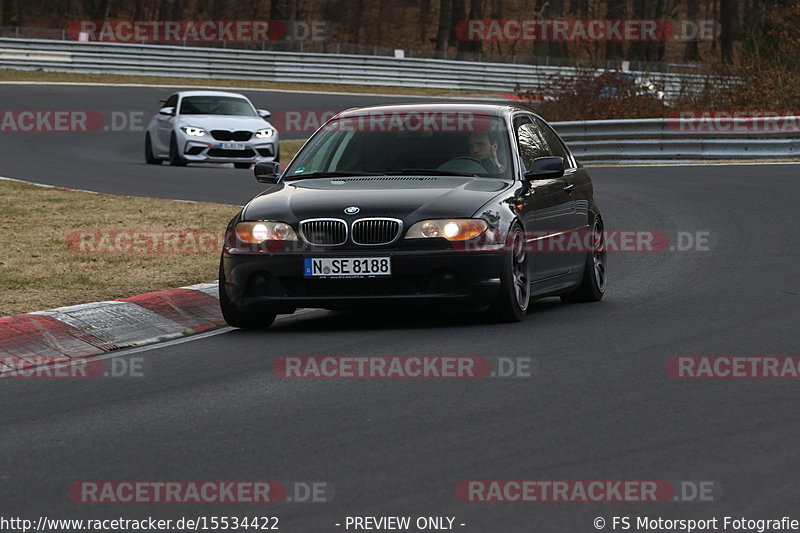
x=682, y=139
x=591, y=141
x=195, y=62
x=330, y=46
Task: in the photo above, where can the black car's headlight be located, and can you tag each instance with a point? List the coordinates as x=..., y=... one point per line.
x=265, y=133
x=193, y=132
x=452, y=229
x=258, y=231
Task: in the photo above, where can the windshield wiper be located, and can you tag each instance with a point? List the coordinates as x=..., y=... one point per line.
x=431, y=172
x=332, y=175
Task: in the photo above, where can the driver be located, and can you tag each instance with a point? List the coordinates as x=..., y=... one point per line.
x=483, y=146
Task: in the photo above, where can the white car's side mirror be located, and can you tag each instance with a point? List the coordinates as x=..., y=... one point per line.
x=166, y=111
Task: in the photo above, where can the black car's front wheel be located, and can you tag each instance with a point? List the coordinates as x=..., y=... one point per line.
x=237, y=318
x=593, y=282
x=512, y=302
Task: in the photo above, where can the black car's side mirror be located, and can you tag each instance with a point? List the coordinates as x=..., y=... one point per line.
x=268, y=172
x=263, y=113
x=166, y=111
x=545, y=168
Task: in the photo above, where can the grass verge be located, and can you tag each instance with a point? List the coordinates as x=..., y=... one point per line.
x=39, y=270
x=289, y=148
x=41, y=76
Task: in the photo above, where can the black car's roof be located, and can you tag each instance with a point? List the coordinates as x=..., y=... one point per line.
x=479, y=109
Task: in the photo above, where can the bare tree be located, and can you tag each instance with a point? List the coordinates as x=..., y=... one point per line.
x=471, y=47
x=692, y=50
x=728, y=10
x=616, y=11
x=445, y=25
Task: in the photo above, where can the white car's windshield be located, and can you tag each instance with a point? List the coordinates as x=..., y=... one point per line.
x=216, y=105
x=412, y=143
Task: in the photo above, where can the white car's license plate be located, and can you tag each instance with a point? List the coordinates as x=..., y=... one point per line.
x=347, y=267
x=231, y=146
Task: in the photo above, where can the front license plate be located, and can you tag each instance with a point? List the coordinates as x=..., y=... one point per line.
x=350, y=267
x=231, y=146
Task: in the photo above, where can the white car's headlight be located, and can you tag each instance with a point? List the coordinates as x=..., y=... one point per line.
x=453, y=229
x=193, y=132
x=265, y=133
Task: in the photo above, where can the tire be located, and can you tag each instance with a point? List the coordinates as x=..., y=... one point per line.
x=148, y=152
x=174, y=157
x=593, y=282
x=515, y=291
x=241, y=165
x=234, y=316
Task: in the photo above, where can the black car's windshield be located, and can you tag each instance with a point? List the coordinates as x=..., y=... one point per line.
x=216, y=105
x=457, y=143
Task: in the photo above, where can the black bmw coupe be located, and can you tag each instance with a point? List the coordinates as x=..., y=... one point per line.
x=459, y=205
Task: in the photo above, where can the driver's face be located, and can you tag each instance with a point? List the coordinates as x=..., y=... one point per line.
x=480, y=146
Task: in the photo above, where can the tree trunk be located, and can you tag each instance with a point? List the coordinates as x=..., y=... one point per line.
x=727, y=21
x=445, y=21
x=553, y=9
x=425, y=9
x=616, y=10
x=471, y=47
x=692, y=50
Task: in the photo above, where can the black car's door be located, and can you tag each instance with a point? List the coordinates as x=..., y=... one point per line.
x=548, y=207
x=579, y=187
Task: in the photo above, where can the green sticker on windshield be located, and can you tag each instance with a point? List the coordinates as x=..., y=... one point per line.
x=299, y=170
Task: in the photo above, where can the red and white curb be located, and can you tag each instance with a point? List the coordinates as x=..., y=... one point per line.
x=87, y=330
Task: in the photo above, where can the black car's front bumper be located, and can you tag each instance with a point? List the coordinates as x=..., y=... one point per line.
x=277, y=281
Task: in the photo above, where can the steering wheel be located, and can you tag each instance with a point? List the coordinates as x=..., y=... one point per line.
x=464, y=163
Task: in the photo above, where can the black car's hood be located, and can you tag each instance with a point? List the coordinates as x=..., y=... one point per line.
x=409, y=198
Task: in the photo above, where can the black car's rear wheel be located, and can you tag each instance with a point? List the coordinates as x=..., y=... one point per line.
x=593, y=283
x=174, y=157
x=512, y=302
x=148, y=152
x=236, y=317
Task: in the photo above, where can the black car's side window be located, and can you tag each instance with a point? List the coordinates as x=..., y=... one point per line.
x=555, y=145
x=172, y=101
x=532, y=143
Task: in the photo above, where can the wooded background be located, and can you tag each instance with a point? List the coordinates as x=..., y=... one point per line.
x=428, y=26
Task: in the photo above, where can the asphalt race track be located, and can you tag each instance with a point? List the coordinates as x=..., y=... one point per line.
x=112, y=160
x=601, y=405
